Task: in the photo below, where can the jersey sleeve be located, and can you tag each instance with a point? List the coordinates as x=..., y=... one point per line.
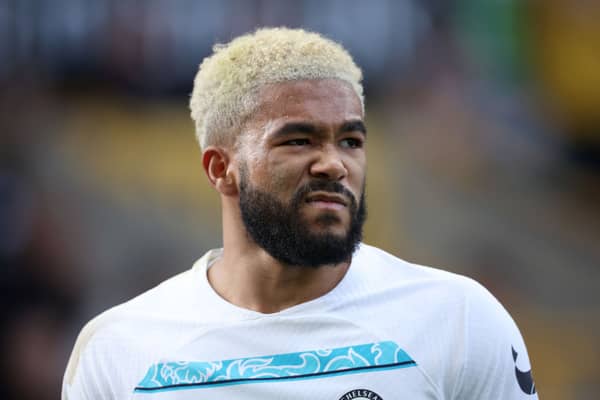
x=101, y=365
x=83, y=379
x=496, y=364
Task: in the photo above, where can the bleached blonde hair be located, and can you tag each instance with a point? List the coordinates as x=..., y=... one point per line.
x=227, y=82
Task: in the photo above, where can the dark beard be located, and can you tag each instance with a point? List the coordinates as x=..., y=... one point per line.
x=282, y=232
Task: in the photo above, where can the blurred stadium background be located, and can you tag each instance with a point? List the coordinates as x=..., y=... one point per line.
x=484, y=148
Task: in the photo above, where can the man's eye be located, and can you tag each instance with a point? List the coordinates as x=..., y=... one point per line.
x=297, y=142
x=351, y=143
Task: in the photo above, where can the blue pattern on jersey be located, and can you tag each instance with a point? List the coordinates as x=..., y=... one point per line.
x=302, y=365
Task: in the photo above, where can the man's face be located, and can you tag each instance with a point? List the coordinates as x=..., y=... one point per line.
x=302, y=172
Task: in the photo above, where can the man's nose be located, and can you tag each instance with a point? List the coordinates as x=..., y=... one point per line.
x=329, y=165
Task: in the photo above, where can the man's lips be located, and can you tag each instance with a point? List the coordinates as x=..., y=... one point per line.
x=331, y=201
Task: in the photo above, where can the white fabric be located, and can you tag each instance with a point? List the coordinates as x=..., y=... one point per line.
x=455, y=331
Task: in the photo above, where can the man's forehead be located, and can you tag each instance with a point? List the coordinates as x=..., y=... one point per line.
x=324, y=101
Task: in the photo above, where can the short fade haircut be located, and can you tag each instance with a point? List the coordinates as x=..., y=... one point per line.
x=228, y=81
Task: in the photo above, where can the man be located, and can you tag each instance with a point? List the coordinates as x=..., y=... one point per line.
x=294, y=306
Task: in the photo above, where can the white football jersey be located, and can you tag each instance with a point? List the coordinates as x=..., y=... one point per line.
x=388, y=330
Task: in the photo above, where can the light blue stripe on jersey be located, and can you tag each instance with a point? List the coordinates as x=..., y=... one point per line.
x=310, y=364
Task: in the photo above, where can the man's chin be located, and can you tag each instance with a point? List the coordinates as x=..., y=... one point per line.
x=328, y=231
x=326, y=220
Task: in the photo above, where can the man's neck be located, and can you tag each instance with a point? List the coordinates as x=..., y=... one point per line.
x=250, y=278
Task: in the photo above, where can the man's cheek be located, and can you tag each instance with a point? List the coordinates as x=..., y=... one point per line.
x=280, y=180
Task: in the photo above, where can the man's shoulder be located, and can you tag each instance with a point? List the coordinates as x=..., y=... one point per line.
x=128, y=316
x=389, y=269
x=169, y=299
x=457, y=325
x=132, y=334
x=173, y=297
x=436, y=291
x=425, y=287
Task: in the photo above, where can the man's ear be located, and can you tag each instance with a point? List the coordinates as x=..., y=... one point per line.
x=219, y=170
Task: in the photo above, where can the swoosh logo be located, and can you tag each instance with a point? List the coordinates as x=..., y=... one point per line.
x=523, y=377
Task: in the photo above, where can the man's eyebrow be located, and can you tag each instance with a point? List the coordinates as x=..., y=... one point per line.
x=311, y=129
x=296, y=127
x=354, y=126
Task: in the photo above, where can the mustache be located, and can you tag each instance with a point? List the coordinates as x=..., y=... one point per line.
x=323, y=186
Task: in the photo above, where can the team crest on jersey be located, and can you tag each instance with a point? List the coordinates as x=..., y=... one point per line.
x=360, y=394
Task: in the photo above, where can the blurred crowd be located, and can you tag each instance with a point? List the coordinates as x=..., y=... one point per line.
x=484, y=147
